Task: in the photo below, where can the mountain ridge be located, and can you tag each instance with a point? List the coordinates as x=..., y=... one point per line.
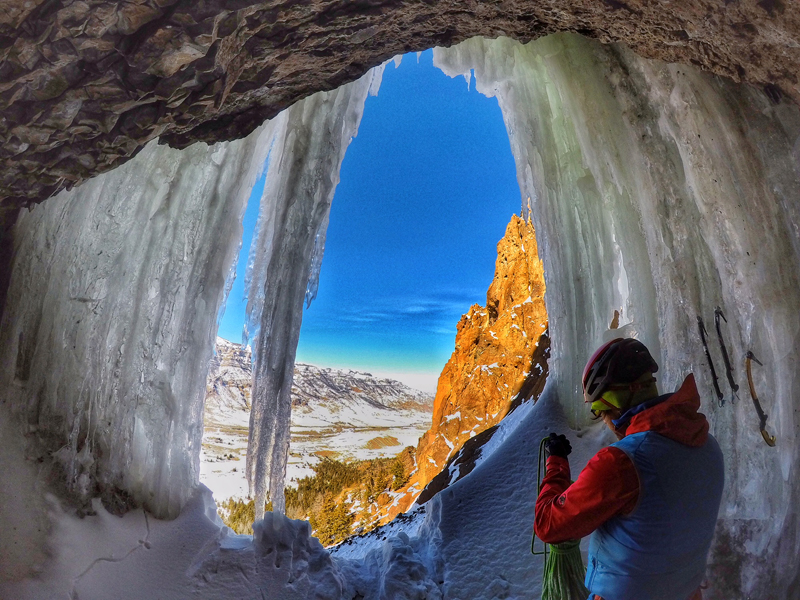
x=342, y=414
x=499, y=360
x=234, y=361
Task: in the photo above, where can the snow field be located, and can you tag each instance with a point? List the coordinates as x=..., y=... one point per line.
x=345, y=423
x=471, y=541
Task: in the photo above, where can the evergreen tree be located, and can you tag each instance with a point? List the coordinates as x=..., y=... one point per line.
x=399, y=478
x=240, y=514
x=332, y=525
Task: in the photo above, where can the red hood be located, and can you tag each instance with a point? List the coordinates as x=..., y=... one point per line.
x=676, y=418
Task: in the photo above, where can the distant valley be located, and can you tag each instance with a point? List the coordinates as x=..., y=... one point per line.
x=366, y=425
x=340, y=414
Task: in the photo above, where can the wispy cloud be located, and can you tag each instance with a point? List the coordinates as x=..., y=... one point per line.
x=411, y=334
x=434, y=312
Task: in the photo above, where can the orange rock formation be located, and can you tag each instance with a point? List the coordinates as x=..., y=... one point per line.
x=493, y=357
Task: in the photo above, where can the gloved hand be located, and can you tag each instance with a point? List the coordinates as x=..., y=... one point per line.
x=558, y=445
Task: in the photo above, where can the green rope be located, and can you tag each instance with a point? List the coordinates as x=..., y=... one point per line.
x=564, y=572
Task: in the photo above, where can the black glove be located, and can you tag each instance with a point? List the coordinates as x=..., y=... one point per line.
x=558, y=445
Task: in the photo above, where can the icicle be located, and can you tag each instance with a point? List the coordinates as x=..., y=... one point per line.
x=316, y=263
x=111, y=319
x=377, y=78
x=310, y=140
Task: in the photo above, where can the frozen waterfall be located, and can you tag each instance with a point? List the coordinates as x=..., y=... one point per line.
x=109, y=322
x=664, y=192
x=656, y=190
x=285, y=257
x=115, y=291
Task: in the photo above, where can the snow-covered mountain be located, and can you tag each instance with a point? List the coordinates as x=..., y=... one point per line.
x=338, y=413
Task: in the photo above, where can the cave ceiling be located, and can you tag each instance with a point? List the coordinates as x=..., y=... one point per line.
x=85, y=84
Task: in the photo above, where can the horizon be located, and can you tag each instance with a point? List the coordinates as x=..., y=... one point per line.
x=431, y=161
x=400, y=377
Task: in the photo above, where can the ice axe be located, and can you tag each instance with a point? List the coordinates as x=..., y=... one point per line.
x=703, y=336
x=718, y=314
x=762, y=416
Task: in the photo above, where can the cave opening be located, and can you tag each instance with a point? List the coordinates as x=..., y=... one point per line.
x=423, y=202
x=684, y=182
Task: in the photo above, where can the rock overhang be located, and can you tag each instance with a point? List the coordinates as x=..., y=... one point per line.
x=84, y=85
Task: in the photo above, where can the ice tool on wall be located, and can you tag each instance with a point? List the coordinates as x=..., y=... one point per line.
x=762, y=416
x=725, y=358
x=703, y=334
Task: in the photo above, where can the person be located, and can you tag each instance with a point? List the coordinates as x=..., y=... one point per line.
x=650, y=501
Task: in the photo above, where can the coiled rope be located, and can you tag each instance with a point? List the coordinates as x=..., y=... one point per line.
x=563, y=575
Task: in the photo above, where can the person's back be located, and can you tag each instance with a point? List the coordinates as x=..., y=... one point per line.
x=665, y=540
x=651, y=499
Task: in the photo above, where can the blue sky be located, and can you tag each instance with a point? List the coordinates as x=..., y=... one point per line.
x=426, y=191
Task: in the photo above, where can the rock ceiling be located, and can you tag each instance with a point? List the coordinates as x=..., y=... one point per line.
x=85, y=84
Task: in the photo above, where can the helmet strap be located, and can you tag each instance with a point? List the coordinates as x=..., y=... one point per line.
x=607, y=403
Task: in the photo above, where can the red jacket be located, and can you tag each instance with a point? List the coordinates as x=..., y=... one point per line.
x=609, y=486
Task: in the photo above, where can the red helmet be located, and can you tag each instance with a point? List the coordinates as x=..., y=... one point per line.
x=620, y=361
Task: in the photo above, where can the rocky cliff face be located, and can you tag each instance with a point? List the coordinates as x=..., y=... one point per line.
x=230, y=378
x=312, y=385
x=492, y=357
x=500, y=355
x=84, y=85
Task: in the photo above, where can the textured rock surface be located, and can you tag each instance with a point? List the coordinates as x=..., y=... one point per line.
x=497, y=356
x=84, y=84
x=229, y=384
x=492, y=357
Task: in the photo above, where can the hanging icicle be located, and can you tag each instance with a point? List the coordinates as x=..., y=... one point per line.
x=285, y=258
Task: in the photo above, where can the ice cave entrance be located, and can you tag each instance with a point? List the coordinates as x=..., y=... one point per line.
x=426, y=190
x=693, y=199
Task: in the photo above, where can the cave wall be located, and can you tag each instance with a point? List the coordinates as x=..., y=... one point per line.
x=109, y=323
x=84, y=85
x=657, y=189
x=663, y=192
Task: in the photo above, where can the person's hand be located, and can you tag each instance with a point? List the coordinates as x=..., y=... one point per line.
x=558, y=445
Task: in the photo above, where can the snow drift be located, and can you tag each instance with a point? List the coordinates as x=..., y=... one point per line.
x=656, y=190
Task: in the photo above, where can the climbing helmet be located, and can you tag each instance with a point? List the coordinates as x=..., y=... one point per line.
x=615, y=366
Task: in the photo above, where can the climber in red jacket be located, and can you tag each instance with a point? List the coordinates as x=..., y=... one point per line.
x=649, y=501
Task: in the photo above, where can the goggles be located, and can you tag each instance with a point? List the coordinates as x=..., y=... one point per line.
x=597, y=409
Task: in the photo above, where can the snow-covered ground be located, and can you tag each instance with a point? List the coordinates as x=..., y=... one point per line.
x=338, y=413
x=470, y=541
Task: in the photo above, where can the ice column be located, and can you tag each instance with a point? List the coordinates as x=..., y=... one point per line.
x=310, y=141
x=111, y=318
x=664, y=192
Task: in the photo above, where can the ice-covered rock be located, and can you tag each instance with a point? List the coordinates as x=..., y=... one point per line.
x=663, y=192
